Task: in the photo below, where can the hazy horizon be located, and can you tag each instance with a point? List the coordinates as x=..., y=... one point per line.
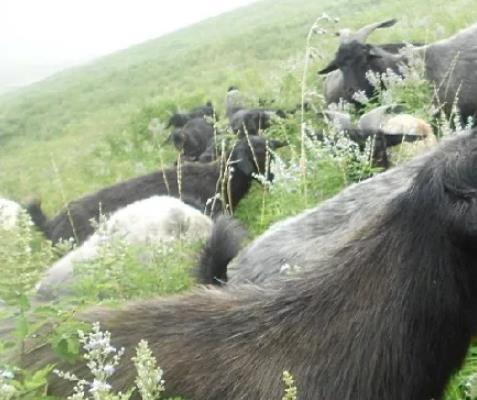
x=54, y=35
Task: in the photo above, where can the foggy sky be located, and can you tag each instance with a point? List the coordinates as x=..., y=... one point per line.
x=38, y=37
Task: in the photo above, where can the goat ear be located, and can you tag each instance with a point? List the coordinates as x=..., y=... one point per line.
x=246, y=166
x=373, y=52
x=459, y=188
x=463, y=219
x=243, y=162
x=329, y=68
x=276, y=144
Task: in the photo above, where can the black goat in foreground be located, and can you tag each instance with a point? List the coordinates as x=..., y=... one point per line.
x=194, y=183
x=388, y=315
x=305, y=240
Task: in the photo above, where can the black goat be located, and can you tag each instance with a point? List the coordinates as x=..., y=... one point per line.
x=289, y=243
x=213, y=148
x=193, y=138
x=178, y=120
x=389, y=314
x=250, y=121
x=457, y=53
x=198, y=184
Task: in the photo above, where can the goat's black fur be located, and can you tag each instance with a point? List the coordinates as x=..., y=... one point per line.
x=222, y=246
x=39, y=219
x=214, y=148
x=178, y=120
x=251, y=121
x=388, y=315
x=198, y=181
x=192, y=139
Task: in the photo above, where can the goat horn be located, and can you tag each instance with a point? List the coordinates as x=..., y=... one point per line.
x=362, y=34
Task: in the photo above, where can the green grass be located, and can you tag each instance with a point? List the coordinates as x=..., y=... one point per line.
x=86, y=128
x=260, y=48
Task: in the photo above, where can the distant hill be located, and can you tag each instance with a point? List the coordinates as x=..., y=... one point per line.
x=16, y=76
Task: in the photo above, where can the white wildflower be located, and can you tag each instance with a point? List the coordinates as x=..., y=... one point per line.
x=387, y=98
x=374, y=78
x=7, y=391
x=102, y=359
x=291, y=392
x=6, y=374
x=98, y=386
x=391, y=79
x=109, y=369
x=149, y=377
x=360, y=97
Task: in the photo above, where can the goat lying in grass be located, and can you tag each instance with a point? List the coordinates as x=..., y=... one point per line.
x=194, y=183
x=158, y=220
x=389, y=313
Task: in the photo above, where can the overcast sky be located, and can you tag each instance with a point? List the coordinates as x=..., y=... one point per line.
x=38, y=37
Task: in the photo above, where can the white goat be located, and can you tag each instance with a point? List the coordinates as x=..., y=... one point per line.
x=158, y=219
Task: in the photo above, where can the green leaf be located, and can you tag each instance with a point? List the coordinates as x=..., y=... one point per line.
x=21, y=327
x=23, y=302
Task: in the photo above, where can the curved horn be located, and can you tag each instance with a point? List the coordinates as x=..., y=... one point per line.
x=373, y=119
x=361, y=35
x=340, y=120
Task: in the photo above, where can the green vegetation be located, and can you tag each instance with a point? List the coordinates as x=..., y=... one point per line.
x=259, y=48
x=88, y=127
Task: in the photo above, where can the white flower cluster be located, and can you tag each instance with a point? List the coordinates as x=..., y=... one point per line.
x=149, y=377
x=360, y=97
x=415, y=66
x=102, y=359
x=389, y=78
x=383, y=83
x=291, y=392
x=339, y=146
x=286, y=177
x=7, y=389
x=470, y=386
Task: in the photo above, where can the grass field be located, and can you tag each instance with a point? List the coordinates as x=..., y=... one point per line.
x=87, y=127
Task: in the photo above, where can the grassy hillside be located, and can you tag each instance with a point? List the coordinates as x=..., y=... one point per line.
x=259, y=47
x=87, y=127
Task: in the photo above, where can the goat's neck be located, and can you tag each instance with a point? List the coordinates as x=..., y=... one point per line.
x=238, y=185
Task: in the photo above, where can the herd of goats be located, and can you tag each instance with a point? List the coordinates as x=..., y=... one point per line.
x=383, y=305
